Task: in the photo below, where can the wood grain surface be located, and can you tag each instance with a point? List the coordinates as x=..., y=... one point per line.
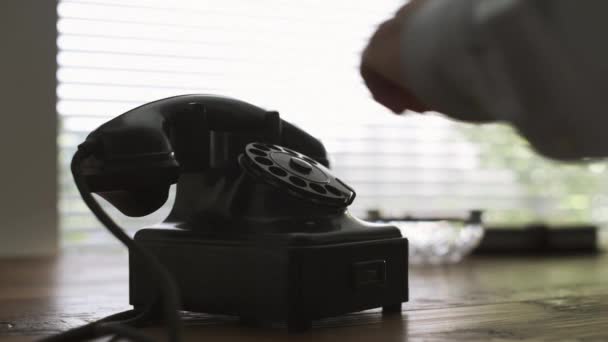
x=480, y=299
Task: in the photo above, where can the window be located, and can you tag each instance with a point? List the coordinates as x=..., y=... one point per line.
x=300, y=58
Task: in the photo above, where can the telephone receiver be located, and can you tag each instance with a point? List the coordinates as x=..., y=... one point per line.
x=232, y=161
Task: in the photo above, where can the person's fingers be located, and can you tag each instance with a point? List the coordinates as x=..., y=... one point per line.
x=382, y=91
x=381, y=70
x=409, y=7
x=389, y=94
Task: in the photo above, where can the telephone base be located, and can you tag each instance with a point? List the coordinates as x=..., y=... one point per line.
x=262, y=280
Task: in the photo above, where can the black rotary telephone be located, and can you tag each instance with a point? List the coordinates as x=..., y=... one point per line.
x=259, y=228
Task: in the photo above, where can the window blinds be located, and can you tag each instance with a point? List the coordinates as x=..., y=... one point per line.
x=297, y=57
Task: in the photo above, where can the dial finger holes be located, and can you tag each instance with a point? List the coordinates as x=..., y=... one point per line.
x=263, y=161
x=318, y=188
x=277, y=171
x=333, y=190
x=298, y=181
x=257, y=152
x=261, y=147
x=272, y=147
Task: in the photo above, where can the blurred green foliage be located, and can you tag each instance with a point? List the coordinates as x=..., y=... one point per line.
x=556, y=192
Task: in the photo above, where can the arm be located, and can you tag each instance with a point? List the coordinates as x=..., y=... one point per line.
x=536, y=64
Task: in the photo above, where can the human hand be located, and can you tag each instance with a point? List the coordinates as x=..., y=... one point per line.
x=381, y=65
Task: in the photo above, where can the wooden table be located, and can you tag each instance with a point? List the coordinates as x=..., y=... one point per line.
x=481, y=299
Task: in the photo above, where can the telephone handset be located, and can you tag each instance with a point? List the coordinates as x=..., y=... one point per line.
x=259, y=225
x=138, y=155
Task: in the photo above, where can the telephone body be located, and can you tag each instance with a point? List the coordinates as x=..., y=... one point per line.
x=259, y=228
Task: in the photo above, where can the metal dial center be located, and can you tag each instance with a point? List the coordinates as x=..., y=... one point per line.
x=300, y=165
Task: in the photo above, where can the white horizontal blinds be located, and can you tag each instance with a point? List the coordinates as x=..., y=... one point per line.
x=297, y=57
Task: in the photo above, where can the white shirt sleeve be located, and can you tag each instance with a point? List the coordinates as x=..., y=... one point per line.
x=541, y=65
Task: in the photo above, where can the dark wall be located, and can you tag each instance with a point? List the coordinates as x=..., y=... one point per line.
x=28, y=126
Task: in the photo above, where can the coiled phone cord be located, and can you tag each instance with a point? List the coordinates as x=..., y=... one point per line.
x=121, y=324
